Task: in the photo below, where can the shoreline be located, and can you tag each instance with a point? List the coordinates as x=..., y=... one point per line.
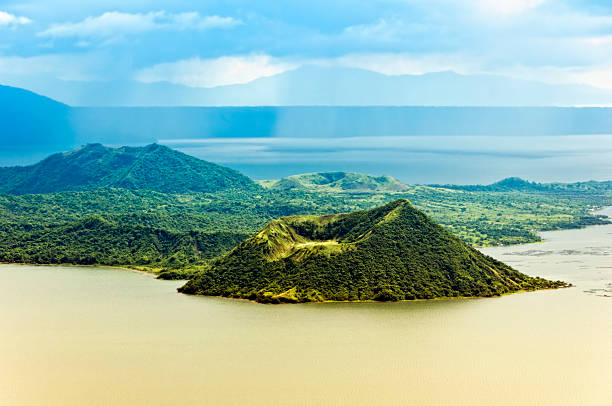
x=597, y=211
x=154, y=274
x=241, y=299
x=115, y=267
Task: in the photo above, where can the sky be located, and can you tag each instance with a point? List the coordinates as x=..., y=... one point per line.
x=212, y=43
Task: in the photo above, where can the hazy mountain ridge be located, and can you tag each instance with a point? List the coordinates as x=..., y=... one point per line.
x=393, y=252
x=334, y=86
x=30, y=120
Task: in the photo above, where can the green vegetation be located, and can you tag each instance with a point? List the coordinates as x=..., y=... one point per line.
x=508, y=212
x=512, y=217
x=153, y=167
x=179, y=220
x=393, y=252
x=518, y=184
x=95, y=240
x=337, y=182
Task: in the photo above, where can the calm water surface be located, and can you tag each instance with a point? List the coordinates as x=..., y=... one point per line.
x=87, y=336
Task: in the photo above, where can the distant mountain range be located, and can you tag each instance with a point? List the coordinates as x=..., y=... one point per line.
x=94, y=166
x=326, y=86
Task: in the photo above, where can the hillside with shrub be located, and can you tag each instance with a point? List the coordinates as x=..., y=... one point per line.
x=393, y=252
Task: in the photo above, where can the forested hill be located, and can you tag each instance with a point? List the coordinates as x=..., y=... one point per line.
x=337, y=182
x=97, y=240
x=392, y=252
x=152, y=167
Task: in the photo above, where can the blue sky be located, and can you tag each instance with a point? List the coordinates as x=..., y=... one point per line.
x=212, y=43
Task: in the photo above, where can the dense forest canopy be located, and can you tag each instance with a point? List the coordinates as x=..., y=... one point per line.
x=393, y=252
x=153, y=167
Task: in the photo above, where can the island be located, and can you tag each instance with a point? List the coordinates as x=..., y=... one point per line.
x=393, y=252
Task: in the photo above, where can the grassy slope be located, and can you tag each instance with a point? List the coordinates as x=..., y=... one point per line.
x=336, y=182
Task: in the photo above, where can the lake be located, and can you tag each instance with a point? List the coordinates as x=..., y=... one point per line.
x=414, y=144
x=419, y=159
x=96, y=336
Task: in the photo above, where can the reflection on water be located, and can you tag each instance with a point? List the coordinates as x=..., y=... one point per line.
x=423, y=159
x=90, y=336
x=602, y=292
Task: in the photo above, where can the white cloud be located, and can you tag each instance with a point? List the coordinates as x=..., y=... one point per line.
x=116, y=24
x=11, y=20
x=598, y=77
x=377, y=28
x=229, y=70
x=402, y=63
x=506, y=8
x=193, y=20
x=384, y=30
x=221, y=71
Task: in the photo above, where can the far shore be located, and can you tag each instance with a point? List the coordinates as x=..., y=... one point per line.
x=117, y=267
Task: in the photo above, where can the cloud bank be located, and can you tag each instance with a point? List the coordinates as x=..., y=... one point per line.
x=196, y=72
x=11, y=20
x=206, y=44
x=115, y=23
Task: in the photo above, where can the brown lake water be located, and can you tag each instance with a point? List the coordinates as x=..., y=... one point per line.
x=94, y=336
